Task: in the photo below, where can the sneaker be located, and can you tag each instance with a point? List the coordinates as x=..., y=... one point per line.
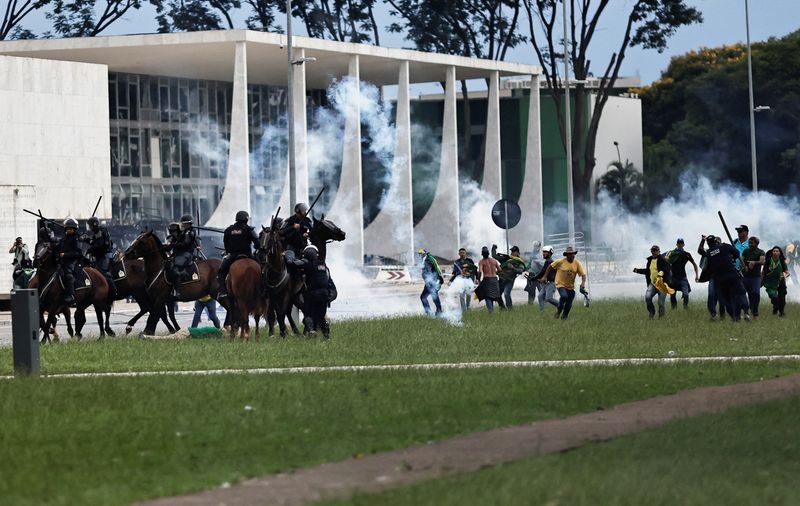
x=781, y=314
x=563, y=318
x=714, y=318
x=558, y=314
x=746, y=316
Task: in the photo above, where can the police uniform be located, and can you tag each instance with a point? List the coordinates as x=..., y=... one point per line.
x=239, y=239
x=183, y=246
x=100, y=248
x=318, y=289
x=294, y=238
x=69, y=255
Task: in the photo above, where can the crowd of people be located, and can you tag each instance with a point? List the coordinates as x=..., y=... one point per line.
x=736, y=273
x=492, y=279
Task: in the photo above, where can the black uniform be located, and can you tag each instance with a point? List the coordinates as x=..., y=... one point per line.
x=44, y=236
x=292, y=237
x=183, y=246
x=319, y=287
x=69, y=254
x=100, y=248
x=239, y=240
x=721, y=267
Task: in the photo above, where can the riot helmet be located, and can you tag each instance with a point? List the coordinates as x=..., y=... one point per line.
x=186, y=222
x=71, y=223
x=93, y=222
x=242, y=217
x=311, y=252
x=301, y=208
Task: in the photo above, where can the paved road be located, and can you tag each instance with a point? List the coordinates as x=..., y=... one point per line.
x=360, y=300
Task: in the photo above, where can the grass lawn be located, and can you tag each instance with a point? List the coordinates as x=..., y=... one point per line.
x=744, y=456
x=612, y=329
x=117, y=440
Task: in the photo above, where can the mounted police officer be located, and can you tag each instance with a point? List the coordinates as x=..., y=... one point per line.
x=320, y=291
x=295, y=231
x=239, y=240
x=183, y=245
x=44, y=236
x=100, y=248
x=69, y=256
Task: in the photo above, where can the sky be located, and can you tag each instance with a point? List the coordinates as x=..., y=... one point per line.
x=724, y=23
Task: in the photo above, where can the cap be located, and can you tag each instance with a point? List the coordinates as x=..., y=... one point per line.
x=680, y=241
x=742, y=227
x=655, y=246
x=547, y=248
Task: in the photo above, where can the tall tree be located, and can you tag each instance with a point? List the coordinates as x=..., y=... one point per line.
x=197, y=15
x=15, y=12
x=88, y=18
x=342, y=20
x=649, y=24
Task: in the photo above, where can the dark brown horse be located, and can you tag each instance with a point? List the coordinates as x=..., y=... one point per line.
x=245, y=296
x=283, y=290
x=34, y=283
x=148, y=247
x=322, y=232
x=52, y=294
x=134, y=284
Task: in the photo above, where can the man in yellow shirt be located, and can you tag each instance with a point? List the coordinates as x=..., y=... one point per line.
x=566, y=269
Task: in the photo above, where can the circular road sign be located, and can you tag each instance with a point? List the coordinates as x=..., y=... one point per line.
x=506, y=213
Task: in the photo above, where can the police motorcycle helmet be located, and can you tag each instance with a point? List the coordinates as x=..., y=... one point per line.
x=242, y=217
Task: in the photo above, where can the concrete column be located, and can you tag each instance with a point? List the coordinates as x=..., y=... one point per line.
x=236, y=194
x=391, y=234
x=439, y=230
x=347, y=210
x=300, y=129
x=492, y=168
x=531, y=226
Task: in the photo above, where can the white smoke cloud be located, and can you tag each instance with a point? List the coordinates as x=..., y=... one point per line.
x=477, y=227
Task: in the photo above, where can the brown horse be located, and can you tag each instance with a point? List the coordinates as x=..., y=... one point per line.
x=34, y=283
x=149, y=248
x=244, y=289
x=134, y=284
x=52, y=294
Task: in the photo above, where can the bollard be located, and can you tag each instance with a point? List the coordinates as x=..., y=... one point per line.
x=25, y=331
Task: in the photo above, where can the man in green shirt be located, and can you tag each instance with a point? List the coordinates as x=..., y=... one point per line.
x=511, y=266
x=752, y=260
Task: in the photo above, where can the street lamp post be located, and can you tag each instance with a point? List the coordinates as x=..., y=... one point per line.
x=753, y=162
x=290, y=104
x=568, y=135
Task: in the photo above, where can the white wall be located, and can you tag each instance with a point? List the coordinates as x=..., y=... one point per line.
x=54, y=145
x=622, y=122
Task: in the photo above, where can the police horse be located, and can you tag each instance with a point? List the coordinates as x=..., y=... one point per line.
x=91, y=288
x=149, y=248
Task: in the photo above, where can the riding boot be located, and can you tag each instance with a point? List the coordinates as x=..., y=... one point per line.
x=112, y=287
x=70, y=298
x=223, y=290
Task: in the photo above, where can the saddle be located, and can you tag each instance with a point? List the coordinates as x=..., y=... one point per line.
x=117, y=269
x=186, y=275
x=82, y=280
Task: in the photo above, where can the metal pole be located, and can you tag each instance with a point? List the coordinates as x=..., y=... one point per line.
x=290, y=104
x=753, y=162
x=568, y=133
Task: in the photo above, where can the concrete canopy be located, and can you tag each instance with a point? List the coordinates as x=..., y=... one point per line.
x=210, y=55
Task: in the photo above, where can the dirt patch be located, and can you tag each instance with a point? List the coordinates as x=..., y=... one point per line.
x=382, y=471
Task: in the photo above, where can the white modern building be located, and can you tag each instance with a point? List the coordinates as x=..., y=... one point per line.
x=167, y=124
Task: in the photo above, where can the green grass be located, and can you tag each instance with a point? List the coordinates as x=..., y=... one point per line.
x=606, y=329
x=744, y=456
x=118, y=440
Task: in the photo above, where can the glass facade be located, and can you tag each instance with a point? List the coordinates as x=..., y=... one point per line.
x=169, y=145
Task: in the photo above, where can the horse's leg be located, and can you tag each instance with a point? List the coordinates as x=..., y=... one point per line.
x=271, y=320
x=244, y=314
x=171, y=312
x=152, y=319
x=281, y=317
x=132, y=321
x=165, y=319
x=107, y=324
x=68, y=321
x=80, y=320
x=100, y=313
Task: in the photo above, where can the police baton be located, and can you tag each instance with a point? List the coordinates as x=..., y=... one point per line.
x=315, y=202
x=43, y=218
x=96, y=206
x=725, y=226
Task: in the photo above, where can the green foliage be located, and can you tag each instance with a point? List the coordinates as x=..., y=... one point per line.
x=696, y=116
x=474, y=28
x=89, y=18
x=196, y=15
x=14, y=13
x=624, y=183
